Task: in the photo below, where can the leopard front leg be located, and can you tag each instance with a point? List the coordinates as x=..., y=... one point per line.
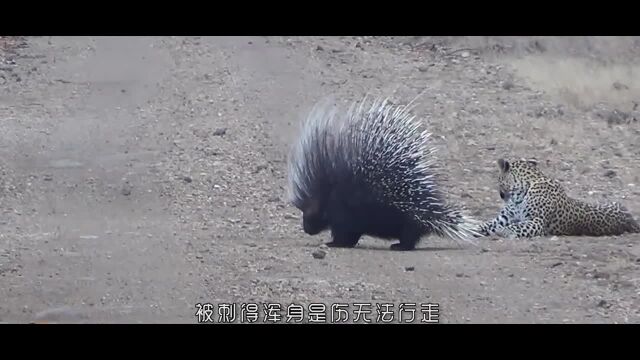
x=525, y=229
x=505, y=217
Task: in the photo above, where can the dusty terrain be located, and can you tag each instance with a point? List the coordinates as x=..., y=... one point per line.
x=142, y=176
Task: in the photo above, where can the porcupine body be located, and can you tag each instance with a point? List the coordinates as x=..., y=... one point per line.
x=370, y=170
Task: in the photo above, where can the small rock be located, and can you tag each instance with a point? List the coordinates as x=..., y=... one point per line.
x=459, y=275
x=484, y=250
x=464, y=54
x=556, y=264
x=604, y=304
x=409, y=268
x=273, y=198
x=600, y=275
x=291, y=217
x=323, y=247
x=47, y=177
x=187, y=179
x=319, y=254
x=610, y=174
x=423, y=68
x=615, y=117
x=553, y=238
x=126, y=190
x=620, y=86
x=319, y=48
x=565, y=166
x=508, y=85
x=220, y=132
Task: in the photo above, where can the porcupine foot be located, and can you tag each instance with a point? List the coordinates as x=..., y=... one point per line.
x=408, y=241
x=343, y=239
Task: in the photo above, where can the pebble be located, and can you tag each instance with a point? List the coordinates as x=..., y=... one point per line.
x=507, y=85
x=620, y=86
x=319, y=253
x=409, y=268
x=220, y=132
x=600, y=275
x=126, y=190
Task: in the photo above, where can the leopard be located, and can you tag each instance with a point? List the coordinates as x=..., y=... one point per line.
x=537, y=205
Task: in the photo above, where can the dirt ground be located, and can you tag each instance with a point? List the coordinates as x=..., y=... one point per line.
x=143, y=176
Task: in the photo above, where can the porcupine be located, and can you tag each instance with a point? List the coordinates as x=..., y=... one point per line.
x=370, y=171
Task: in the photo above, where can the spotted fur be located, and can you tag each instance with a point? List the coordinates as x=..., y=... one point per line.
x=537, y=205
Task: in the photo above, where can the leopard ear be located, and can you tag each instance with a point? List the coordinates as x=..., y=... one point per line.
x=503, y=165
x=533, y=162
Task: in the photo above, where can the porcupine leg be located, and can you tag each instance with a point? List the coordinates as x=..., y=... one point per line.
x=408, y=240
x=344, y=239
